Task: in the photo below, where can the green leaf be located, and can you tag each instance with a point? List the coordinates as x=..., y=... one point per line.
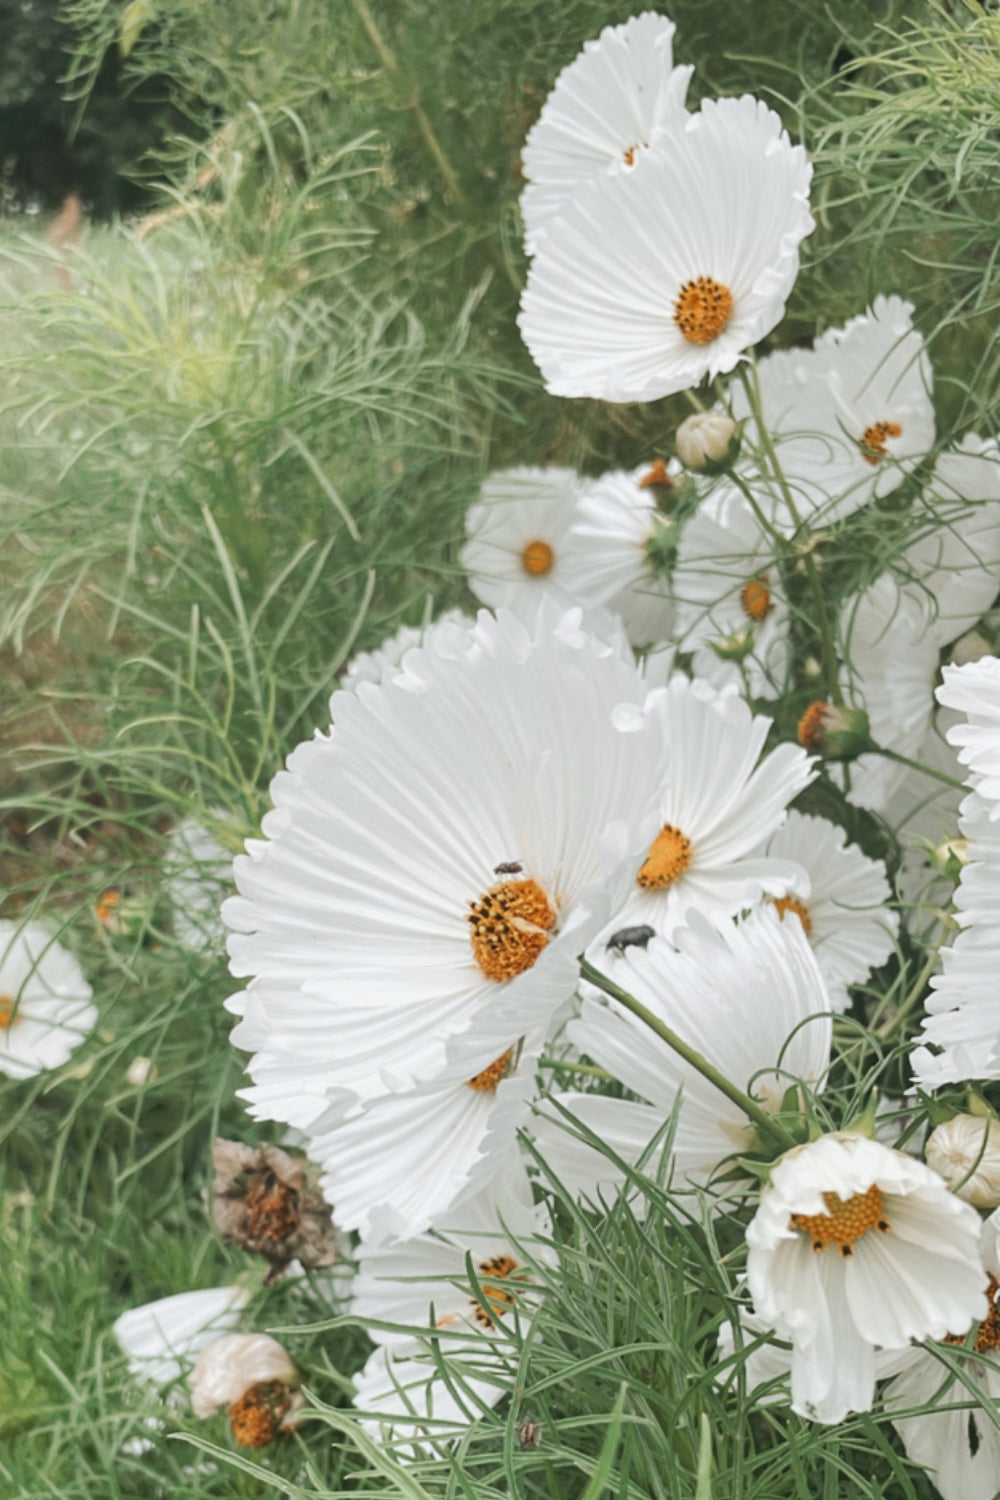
x=134, y=19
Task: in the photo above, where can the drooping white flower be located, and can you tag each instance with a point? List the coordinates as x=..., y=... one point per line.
x=600, y=116
x=374, y=666
x=648, y=281
x=45, y=1009
x=433, y=866
x=252, y=1375
x=199, y=876
x=718, y=808
x=519, y=546
x=747, y=995
x=163, y=1339
x=731, y=609
x=842, y=904
x=855, y=1246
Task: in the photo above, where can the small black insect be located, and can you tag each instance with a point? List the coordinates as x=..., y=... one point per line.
x=511, y=867
x=630, y=937
x=529, y=1434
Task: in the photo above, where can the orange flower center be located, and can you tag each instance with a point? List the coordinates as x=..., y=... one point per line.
x=801, y=910
x=107, y=908
x=702, y=310
x=490, y=1079
x=669, y=856
x=810, y=730
x=510, y=924
x=537, y=559
x=845, y=1220
x=755, y=597
x=256, y=1417
x=873, y=440
x=8, y=1012
x=657, y=475
x=272, y=1209
x=498, y=1299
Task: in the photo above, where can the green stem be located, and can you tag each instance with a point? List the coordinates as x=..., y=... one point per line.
x=574, y=1067
x=765, y=1123
x=916, y=765
x=914, y=994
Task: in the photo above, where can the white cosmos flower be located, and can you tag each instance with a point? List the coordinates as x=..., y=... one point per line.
x=974, y=690
x=718, y=808
x=230, y=1365
x=600, y=115
x=747, y=995
x=199, y=875
x=45, y=1009
x=853, y=1247
x=410, y=1405
x=850, y=417
x=650, y=280
x=616, y=521
x=435, y=864
x=842, y=903
x=519, y=548
x=730, y=599
x=163, y=1339
x=385, y=661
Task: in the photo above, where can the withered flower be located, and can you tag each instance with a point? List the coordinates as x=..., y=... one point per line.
x=263, y=1201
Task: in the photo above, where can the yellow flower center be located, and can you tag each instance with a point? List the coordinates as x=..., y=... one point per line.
x=256, y=1417
x=537, y=559
x=702, y=310
x=498, y=1299
x=510, y=924
x=845, y=1220
x=755, y=597
x=669, y=856
x=801, y=910
x=490, y=1079
x=873, y=441
x=8, y=1015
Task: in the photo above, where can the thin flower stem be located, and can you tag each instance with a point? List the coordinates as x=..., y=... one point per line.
x=769, y=1128
x=574, y=1067
x=915, y=993
x=916, y=765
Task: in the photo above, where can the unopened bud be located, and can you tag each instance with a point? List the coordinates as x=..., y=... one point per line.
x=139, y=1071
x=965, y=1151
x=950, y=857
x=708, y=442
x=834, y=732
x=734, y=647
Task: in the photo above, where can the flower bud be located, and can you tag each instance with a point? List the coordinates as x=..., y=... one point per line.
x=708, y=442
x=140, y=1070
x=736, y=647
x=965, y=1151
x=835, y=733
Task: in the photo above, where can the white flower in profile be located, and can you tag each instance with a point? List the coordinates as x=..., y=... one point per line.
x=747, y=995
x=386, y=660
x=850, y=417
x=435, y=864
x=974, y=690
x=163, y=1339
x=198, y=872
x=855, y=1247
x=718, y=808
x=649, y=281
x=252, y=1375
x=842, y=903
x=731, y=609
x=616, y=527
x=518, y=532
x=45, y=1009
x=600, y=116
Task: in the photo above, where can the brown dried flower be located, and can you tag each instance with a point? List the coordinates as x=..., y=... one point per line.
x=263, y=1201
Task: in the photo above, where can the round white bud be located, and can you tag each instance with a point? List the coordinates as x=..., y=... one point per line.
x=965, y=1151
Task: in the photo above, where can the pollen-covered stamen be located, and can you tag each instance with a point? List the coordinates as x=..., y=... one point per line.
x=810, y=727
x=801, y=910
x=657, y=476
x=490, y=1079
x=538, y=559
x=8, y=1012
x=257, y=1416
x=629, y=156
x=988, y=1332
x=498, y=1299
x=845, y=1220
x=510, y=927
x=272, y=1209
x=873, y=441
x=702, y=310
x=756, y=599
x=669, y=856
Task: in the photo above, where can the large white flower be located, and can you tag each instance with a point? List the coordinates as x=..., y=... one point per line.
x=163, y=1339
x=600, y=115
x=384, y=661
x=855, y=1246
x=650, y=280
x=518, y=531
x=433, y=867
x=718, y=808
x=748, y=996
x=842, y=903
x=974, y=690
x=731, y=610
x=45, y=1009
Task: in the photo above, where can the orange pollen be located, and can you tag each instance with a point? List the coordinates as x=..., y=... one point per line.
x=702, y=310
x=755, y=597
x=845, y=1220
x=537, y=559
x=668, y=858
x=8, y=1015
x=272, y=1209
x=658, y=475
x=873, y=440
x=988, y=1332
x=499, y=1300
x=510, y=924
x=630, y=156
x=490, y=1079
x=810, y=730
x=107, y=907
x=256, y=1417
x=801, y=910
